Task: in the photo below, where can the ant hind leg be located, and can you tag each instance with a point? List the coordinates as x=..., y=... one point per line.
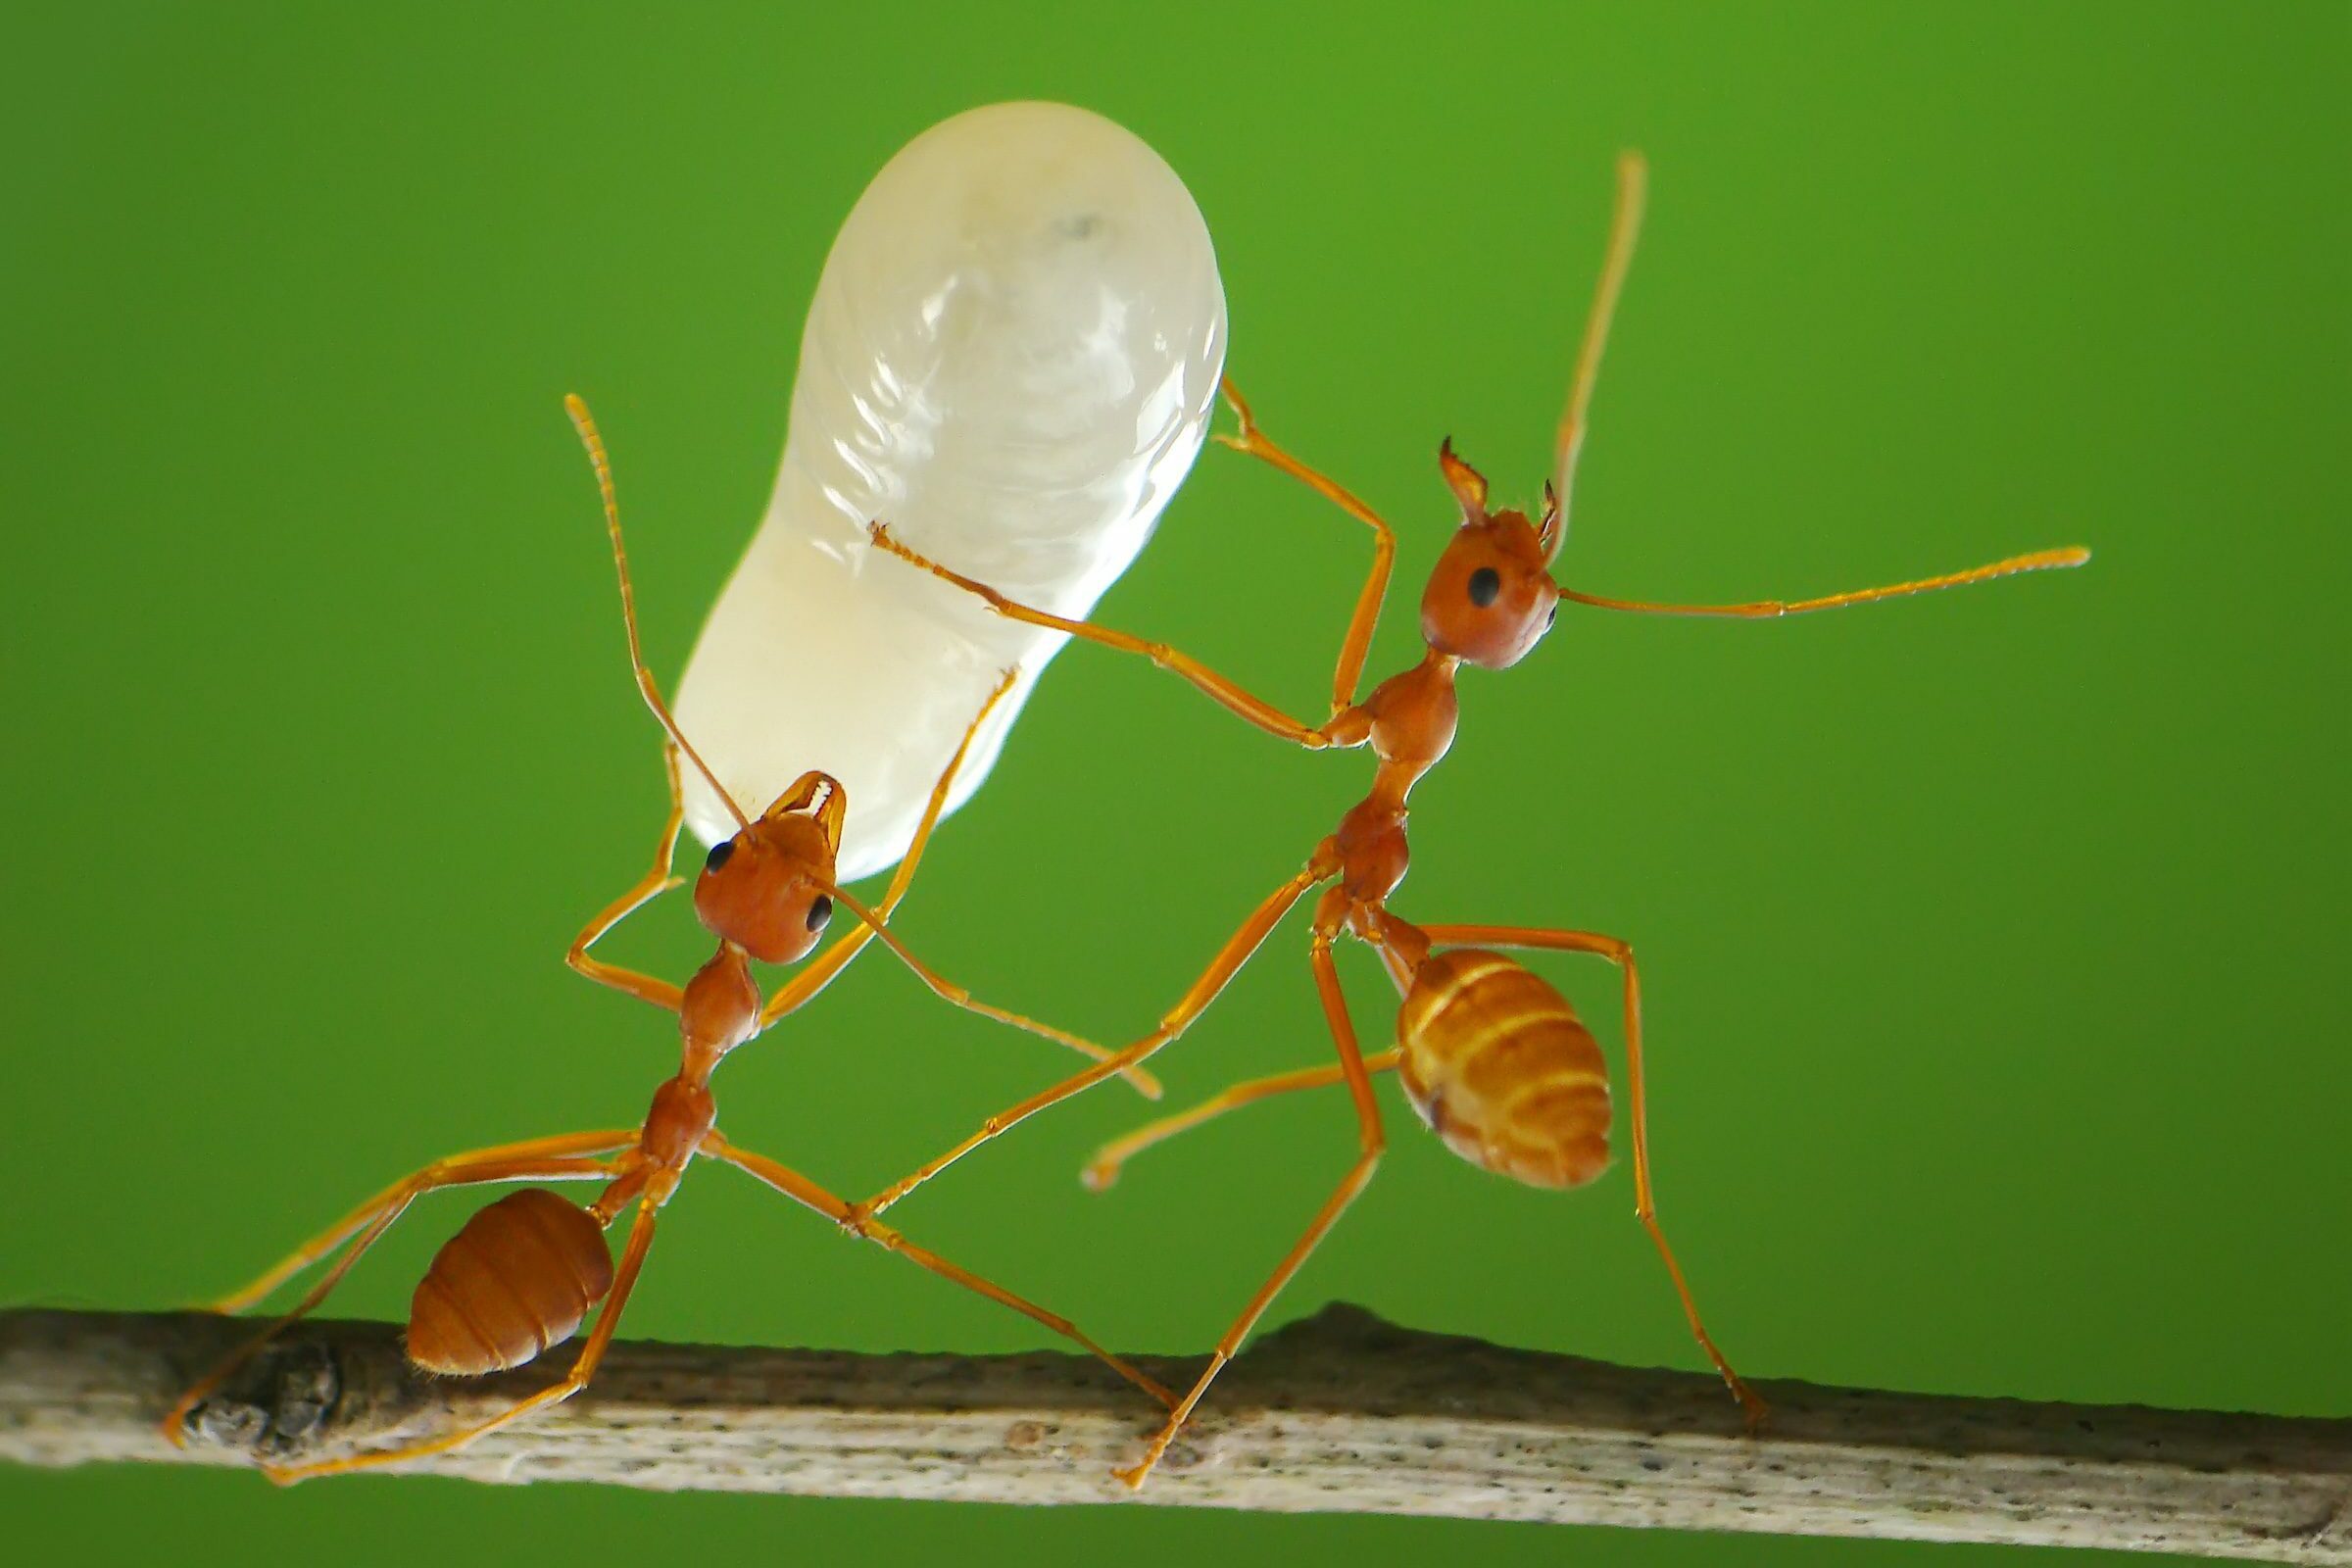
x=577, y=1156
x=1645, y=1208
x=583, y=1367
x=1373, y=1141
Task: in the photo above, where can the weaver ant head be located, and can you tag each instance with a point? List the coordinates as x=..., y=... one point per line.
x=769, y=889
x=1491, y=597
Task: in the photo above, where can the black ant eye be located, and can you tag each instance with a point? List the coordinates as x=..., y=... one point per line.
x=1485, y=584
x=820, y=912
x=720, y=854
x=1550, y=615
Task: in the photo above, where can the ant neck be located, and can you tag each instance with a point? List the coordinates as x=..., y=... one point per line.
x=1440, y=664
x=720, y=1010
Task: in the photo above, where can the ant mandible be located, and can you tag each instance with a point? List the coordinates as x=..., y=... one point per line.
x=523, y=1273
x=1491, y=1058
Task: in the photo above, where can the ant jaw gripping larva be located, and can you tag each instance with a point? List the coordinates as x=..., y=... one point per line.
x=765, y=889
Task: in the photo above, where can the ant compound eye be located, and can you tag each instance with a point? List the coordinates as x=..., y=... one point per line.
x=1485, y=583
x=820, y=912
x=720, y=852
x=1552, y=616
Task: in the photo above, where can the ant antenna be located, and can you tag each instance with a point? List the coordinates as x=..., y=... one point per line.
x=1625, y=226
x=580, y=421
x=1773, y=608
x=877, y=922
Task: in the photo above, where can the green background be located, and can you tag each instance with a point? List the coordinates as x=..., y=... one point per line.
x=1994, y=941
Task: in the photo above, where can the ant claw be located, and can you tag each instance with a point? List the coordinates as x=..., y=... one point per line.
x=1235, y=401
x=1754, y=1413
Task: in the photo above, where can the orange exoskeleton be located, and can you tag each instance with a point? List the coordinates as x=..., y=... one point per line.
x=524, y=1272
x=1492, y=1059
x=1500, y=1069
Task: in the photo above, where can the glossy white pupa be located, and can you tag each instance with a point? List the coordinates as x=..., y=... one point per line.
x=1012, y=359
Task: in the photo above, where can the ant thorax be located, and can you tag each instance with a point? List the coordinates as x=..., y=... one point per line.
x=1413, y=716
x=1409, y=721
x=720, y=1009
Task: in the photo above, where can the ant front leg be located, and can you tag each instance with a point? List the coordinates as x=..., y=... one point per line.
x=1112, y=1158
x=957, y=996
x=821, y=972
x=800, y=1190
x=1372, y=1142
x=1225, y=693
x=575, y=1156
x=656, y=882
x=1645, y=1208
x=1221, y=969
x=1357, y=644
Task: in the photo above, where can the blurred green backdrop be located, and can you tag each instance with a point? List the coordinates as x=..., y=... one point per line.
x=1990, y=938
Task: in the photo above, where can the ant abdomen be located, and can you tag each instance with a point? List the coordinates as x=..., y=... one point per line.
x=1499, y=1066
x=515, y=1280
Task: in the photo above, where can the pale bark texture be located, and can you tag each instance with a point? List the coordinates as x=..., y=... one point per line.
x=1339, y=1413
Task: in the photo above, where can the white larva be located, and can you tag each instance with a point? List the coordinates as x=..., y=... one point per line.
x=1011, y=359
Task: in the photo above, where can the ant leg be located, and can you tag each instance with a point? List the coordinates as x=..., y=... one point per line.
x=401, y=1192
x=1358, y=642
x=800, y=1190
x=656, y=882
x=821, y=972
x=1373, y=1141
x=583, y=1367
x=1646, y=1206
x=936, y=806
x=577, y=1156
x=1103, y=1169
x=1254, y=710
x=1221, y=969
x=957, y=996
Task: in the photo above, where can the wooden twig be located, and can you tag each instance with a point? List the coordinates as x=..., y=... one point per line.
x=1341, y=1413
